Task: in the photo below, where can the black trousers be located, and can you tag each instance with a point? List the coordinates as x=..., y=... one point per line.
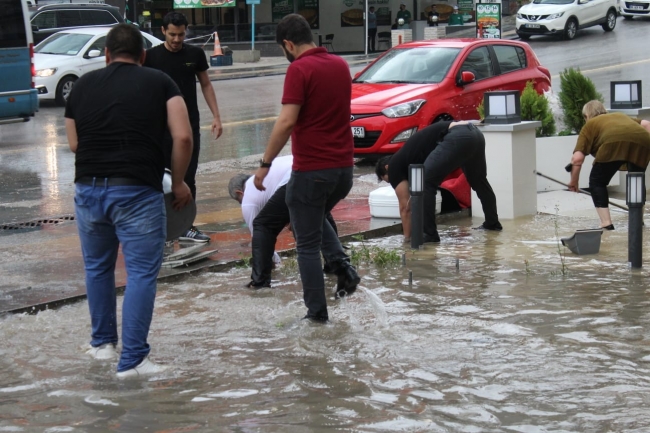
x=190, y=174
x=267, y=225
x=600, y=176
x=372, y=33
x=464, y=147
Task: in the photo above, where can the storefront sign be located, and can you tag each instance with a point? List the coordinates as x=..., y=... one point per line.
x=488, y=21
x=200, y=4
x=280, y=8
x=309, y=10
x=466, y=9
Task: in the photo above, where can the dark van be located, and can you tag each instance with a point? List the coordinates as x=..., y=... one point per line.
x=52, y=18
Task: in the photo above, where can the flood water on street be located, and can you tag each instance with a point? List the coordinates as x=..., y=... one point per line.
x=497, y=332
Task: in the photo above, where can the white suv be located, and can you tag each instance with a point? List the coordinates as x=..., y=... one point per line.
x=634, y=8
x=564, y=17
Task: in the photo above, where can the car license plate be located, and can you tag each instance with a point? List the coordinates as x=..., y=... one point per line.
x=636, y=8
x=532, y=26
x=358, y=131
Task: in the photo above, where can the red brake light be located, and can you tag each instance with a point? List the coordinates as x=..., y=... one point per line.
x=31, y=58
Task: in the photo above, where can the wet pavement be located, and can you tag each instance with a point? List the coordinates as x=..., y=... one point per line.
x=496, y=332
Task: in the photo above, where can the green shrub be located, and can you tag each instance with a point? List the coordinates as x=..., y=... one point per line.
x=575, y=91
x=535, y=107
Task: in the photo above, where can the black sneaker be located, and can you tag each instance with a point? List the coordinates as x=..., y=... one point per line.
x=348, y=279
x=253, y=285
x=194, y=235
x=313, y=319
x=494, y=227
x=609, y=227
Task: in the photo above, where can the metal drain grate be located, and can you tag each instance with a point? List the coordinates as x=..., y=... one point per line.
x=37, y=223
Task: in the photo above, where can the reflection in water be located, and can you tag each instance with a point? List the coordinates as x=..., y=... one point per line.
x=501, y=342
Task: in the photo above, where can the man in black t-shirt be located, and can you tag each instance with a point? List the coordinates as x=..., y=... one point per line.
x=442, y=148
x=184, y=64
x=119, y=169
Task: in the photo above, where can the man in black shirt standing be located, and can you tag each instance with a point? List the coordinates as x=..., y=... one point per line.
x=119, y=166
x=184, y=64
x=442, y=148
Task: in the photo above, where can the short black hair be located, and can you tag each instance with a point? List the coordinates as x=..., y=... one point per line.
x=380, y=168
x=125, y=40
x=294, y=28
x=175, y=18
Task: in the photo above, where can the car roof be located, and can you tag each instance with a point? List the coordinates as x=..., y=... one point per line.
x=88, y=30
x=73, y=6
x=456, y=43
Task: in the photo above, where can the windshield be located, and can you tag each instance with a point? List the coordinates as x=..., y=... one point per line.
x=553, y=2
x=67, y=44
x=411, y=65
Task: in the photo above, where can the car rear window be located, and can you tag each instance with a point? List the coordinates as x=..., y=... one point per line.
x=97, y=18
x=12, y=25
x=510, y=58
x=45, y=20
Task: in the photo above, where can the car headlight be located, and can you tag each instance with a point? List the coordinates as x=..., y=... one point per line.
x=404, y=135
x=520, y=16
x=403, y=110
x=46, y=72
x=555, y=16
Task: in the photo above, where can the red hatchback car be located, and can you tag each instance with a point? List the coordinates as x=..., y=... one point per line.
x=416, y=84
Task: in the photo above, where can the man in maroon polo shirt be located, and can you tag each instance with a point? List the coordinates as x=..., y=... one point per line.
x=316, y=114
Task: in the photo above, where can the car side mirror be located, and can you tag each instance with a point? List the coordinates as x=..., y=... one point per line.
x=466, y=77
x=93, y=53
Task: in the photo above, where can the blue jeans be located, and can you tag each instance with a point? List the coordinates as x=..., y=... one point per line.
x=133, y=216
x=311, y=195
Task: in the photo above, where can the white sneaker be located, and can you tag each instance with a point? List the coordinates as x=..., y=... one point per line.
x=105, y=351
x=144, y=368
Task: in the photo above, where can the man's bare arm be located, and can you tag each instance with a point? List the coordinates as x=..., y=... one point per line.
x=404, y=197
x=279, y=136
x=211, y=100
x=71, y=131
x=178, y=122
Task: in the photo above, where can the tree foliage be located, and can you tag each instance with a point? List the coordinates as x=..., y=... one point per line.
x=575, y=91
x=535, y=107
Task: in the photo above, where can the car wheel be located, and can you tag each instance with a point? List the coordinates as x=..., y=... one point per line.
x=64, y=88
x=523, y=36
x=443, y=118
x=570, y=29
x=610, y=21
x=628, y=17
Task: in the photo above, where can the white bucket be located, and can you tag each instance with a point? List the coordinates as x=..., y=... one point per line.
x=384, y=204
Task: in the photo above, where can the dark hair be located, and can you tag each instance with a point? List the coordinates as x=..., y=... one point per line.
x=380, y=168
x=125, y=40
x=237, y=183
x=294, y=28
x=175, y=18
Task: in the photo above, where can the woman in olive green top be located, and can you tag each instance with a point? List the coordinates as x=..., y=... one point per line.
x=617, y=142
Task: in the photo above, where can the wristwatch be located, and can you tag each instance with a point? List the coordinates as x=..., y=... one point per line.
x=264, y=164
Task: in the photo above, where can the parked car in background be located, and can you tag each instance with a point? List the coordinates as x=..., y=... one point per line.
x=564, y=18
x=416, y=84
x=49, y=19
x=634, y=8
x=65, y=56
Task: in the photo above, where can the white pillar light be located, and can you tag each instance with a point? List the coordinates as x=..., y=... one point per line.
x=416, y=179
x=625, y=94
x=635, y=189
x=502, y=107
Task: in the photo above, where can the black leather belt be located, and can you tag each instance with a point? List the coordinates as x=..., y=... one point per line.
x=110, y=181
